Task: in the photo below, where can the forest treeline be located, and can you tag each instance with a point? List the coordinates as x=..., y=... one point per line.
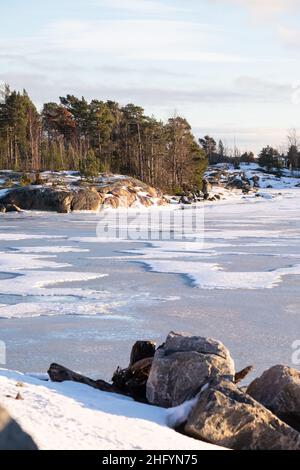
x=102, y=136
x=94, y=136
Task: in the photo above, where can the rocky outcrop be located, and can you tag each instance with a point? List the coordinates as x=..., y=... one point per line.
x=240, y=183
x=256, y=180
x=183, y=365
x=226, y=416
x=42, y=198
x=206, y=187
x=279, y=390
x=12, y=436
x=82, y=196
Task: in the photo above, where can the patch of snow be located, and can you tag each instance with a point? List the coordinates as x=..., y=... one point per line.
x=71, y=416
x=179, y=414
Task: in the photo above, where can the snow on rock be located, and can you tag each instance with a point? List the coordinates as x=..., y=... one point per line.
x=66, y=192
x=71, y=416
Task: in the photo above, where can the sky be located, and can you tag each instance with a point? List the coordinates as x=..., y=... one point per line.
x=230, y=67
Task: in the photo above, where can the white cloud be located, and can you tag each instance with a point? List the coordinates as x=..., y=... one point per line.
x=290, y=36
x=137, y=6
x=131, y=40
x=266, y=7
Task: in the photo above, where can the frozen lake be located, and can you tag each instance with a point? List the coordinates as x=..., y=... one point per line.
x=68, y=297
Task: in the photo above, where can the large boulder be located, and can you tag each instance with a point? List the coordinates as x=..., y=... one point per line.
x=125, y=196
x=12, y=436
x=48, y=199
x=183, y=365
x=206, y=187
x=279, y=390
x=239, y=183
x=52, y=199
x=111, y=202
x=226, y=416
x=86, y=200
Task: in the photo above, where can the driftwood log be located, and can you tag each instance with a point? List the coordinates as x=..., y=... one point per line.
x=130, y=381
x=239, y=376
x=58, y=373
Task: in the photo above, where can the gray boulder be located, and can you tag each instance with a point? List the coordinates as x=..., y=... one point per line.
x=239, y=183
x=226, y=416
x=183, y=365
x=31, y=198
x=279, y=390
x=12, y=436
x=86, y=200
x=206, y=187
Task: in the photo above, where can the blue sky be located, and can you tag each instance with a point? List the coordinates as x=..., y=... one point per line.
x=231, y=67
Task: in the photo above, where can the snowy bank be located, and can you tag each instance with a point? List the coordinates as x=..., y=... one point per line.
x=71, y=416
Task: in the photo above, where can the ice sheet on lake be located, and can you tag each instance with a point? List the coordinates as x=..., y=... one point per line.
x=50, y=249
x=17, y=262
x=211, y=276
x=37, y=283
x=24, y=236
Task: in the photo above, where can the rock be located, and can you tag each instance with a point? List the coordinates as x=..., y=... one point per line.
x=111, y=201
x=162, y=202
x=87, y=200
x=145, y=201
x=239, y=183
x=12, y=436
x=186, y=200
x=126, y=197
x=153, y=192
x=183, y=365
x=279, y=390
x=107, y=191
x=226, y=416
x=206, y=187
x=31, y=198
x=255, y=179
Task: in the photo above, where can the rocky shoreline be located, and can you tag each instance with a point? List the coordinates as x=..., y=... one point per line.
x=66, y=192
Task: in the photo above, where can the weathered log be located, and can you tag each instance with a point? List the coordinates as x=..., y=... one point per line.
x=142, y=367
x=239, y=376
x=142, y=350
x=58, y=373
x=132, y=381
